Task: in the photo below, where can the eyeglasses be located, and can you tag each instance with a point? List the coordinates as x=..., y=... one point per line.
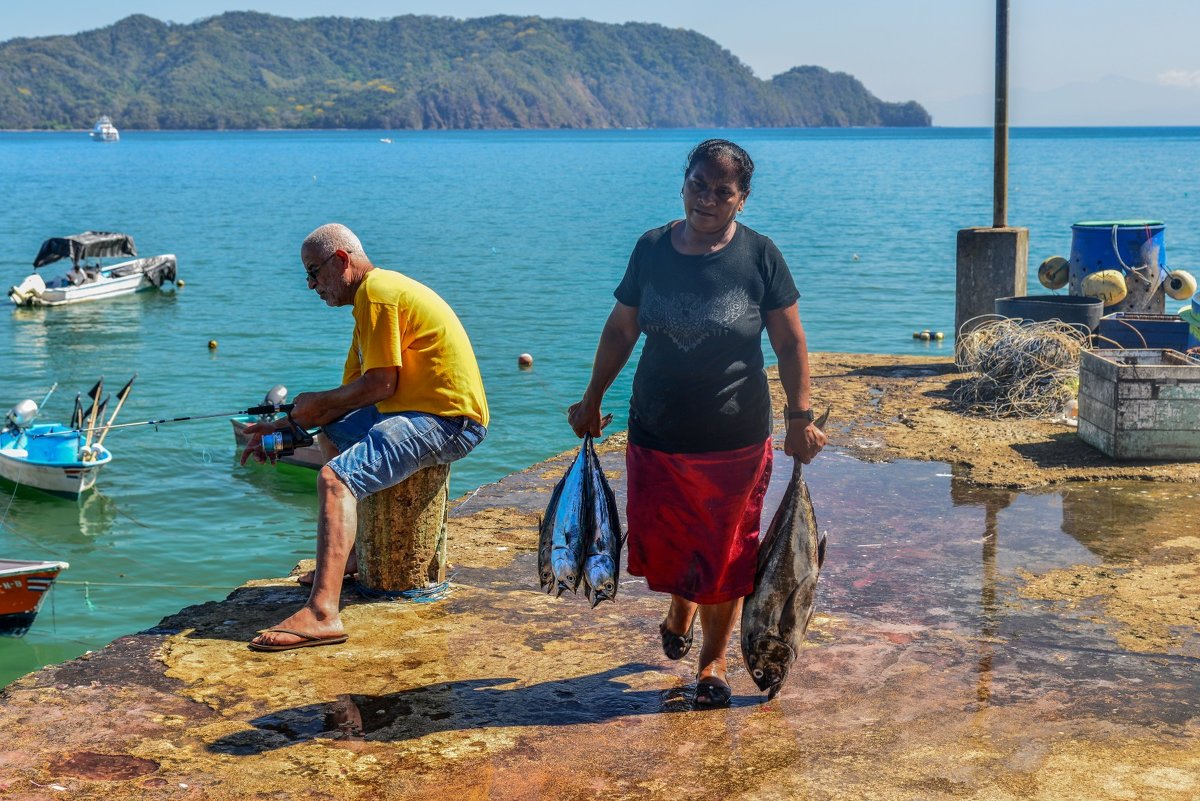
x=311, y=271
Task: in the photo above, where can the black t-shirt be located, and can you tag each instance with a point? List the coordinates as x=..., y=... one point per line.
x=700, y=384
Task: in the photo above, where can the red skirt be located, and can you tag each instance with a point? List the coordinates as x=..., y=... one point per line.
x=694, y=519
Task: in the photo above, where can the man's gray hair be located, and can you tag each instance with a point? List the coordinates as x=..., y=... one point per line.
x=331, y=237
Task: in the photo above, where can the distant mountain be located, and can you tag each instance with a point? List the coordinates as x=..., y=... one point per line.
x=251, y=70
x=1111, y=100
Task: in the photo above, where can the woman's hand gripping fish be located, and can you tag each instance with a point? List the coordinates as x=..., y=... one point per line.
x=602, y=564
x=776, y=615
x=564, y=529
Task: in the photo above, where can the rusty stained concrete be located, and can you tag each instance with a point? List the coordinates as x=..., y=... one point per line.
x=910, y=687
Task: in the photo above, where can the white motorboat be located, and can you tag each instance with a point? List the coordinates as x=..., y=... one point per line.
x=91, y=280
x=105, y=131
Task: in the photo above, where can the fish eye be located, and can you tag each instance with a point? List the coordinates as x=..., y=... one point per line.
x=758, y=673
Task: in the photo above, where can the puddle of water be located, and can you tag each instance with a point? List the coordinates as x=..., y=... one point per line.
x=913, y=545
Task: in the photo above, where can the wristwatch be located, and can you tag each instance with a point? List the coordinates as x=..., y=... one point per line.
x=801, y=414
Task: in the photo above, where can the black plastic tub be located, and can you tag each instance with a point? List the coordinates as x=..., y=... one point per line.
x=1070, y=309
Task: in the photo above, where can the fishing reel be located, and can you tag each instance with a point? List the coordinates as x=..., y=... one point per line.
x=285, y=441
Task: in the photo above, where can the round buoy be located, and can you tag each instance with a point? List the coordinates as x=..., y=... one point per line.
x=1107, y=285
x=212, y=344
x=926, y=336
x=1054, y=272
x=916, y=334
x=525, y=360
x=1180, y=284
x=939, y=336
x=179, y=284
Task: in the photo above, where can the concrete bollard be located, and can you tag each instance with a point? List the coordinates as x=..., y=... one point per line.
x=401, y=542
x=991, y=263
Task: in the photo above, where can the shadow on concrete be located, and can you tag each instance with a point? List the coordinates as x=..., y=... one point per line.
x=463, y=705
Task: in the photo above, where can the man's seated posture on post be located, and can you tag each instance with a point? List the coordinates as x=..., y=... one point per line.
x=411, y=397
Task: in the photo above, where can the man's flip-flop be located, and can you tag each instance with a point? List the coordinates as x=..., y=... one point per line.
x=306, y=641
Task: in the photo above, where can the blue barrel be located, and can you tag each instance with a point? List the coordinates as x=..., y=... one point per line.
x=1138, y=244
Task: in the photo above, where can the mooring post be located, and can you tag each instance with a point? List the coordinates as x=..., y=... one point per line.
x=401, y=542
x=992, y=262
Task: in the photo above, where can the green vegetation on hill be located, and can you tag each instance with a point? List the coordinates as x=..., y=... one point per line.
x=251, y=70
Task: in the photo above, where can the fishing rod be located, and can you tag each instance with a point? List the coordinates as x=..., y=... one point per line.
x=264, y=409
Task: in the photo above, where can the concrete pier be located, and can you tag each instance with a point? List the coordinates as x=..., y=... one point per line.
x=970, y=642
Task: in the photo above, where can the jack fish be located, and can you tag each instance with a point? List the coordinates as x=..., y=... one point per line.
x=602, y=563
x=776, y=615
x=569, y=521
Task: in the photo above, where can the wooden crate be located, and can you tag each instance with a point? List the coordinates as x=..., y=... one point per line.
x=1140, y=404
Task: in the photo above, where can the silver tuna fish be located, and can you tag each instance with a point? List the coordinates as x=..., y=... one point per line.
x=602, y=563
x=546, y=539
x=569, y=520
x=776, y=615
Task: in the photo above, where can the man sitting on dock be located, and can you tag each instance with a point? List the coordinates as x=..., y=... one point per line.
x=411, y=397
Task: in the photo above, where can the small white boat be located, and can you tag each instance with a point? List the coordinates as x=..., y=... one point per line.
x=105, y=131
x=23, y=587
x=91, y=281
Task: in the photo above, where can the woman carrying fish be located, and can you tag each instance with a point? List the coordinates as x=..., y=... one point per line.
x=698, y=462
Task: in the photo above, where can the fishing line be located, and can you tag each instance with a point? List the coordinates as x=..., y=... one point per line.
x=87, y=584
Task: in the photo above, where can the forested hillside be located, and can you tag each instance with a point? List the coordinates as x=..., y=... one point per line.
x=251, y=70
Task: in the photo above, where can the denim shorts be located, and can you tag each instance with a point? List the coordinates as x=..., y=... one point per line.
x=378, y=450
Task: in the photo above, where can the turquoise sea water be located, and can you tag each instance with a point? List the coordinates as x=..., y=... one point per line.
x=524, y=233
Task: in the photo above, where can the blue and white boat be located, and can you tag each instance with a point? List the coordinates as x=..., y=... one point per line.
x=50, y=457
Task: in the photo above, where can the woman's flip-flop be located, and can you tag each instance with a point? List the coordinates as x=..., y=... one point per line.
x=712, y=693
x=676, y=646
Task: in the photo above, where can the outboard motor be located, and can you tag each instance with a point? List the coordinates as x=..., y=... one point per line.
x=28, y=291
x=21, y=416
x=276, y=396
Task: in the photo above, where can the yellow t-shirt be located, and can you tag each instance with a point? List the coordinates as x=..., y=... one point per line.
x=399, y=322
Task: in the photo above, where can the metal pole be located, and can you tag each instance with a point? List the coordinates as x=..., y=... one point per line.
x=1000, y=176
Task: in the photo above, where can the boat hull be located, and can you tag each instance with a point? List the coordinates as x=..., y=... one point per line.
x=23, y=588
x=46, y=457
x=309, y=456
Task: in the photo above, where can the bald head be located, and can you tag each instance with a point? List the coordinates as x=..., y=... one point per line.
x=331, y=237
x=335, y=262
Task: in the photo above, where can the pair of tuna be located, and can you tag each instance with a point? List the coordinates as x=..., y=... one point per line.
x=580, y=535
x=776, y=615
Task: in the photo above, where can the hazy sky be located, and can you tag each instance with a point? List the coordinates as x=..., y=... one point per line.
x=926, y=50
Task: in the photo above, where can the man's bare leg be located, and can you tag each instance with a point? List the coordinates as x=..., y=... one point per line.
x=337, y=523
x=329, y=450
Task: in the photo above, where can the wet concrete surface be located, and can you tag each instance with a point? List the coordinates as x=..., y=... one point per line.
x=968, y=643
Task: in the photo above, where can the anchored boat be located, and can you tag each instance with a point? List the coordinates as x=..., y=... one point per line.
x=105, y=131
x=23, y=587
x=58, y=459
x=90, y=280
x=305, y=456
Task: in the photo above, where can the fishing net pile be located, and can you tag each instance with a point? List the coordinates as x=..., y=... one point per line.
x=1019, y=370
